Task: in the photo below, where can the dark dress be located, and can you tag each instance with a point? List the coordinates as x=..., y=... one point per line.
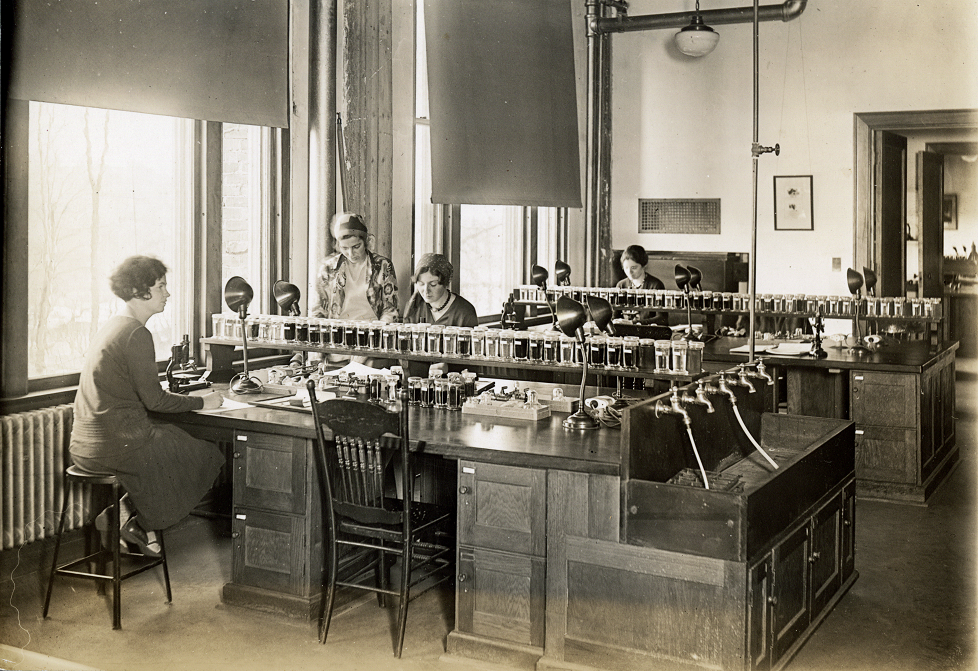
x=647, y=316
x=165, y=470
x=460, y=313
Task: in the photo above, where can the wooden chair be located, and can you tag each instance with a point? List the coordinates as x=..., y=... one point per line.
x=367, y=525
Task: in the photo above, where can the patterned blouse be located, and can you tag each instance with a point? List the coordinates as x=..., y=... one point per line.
x=381, y=287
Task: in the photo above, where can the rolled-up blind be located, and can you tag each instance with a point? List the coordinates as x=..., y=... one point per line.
x=217, y=60
x=502, y=101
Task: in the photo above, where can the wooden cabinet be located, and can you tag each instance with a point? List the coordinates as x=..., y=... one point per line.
x=277, y=539
x=793, y=586
x=905, y=443
x=502, y=553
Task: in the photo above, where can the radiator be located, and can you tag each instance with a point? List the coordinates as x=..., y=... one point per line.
x=32, y=483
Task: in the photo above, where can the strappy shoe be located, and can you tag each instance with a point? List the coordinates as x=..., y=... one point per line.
x=147, y=543
x=102, y=525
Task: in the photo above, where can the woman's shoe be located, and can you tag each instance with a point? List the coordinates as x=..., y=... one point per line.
x=135, y=534
x=102, y=525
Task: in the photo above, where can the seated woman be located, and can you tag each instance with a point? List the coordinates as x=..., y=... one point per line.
x=164, y=470
x=433, y=301
x=633, y=262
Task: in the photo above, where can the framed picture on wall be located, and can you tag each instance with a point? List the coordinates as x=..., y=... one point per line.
x=793, y=203
x=950, y=212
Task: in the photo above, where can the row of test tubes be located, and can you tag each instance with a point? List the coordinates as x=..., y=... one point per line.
x=478, y=342
x=725, y=301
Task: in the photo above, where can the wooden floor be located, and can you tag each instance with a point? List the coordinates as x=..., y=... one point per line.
x=912, y=608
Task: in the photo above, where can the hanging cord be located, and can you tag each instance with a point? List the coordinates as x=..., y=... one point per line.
x=804, y=92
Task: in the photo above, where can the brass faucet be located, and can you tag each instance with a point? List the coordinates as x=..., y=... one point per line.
x=673, y=407
x=700, y=396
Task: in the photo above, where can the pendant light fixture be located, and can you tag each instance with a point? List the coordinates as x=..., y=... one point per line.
x=697, y=39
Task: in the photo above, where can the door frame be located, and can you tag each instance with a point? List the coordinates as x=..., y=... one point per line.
x=866, y=125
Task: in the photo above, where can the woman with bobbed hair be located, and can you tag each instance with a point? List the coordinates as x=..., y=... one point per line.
x=633, y=262
x=164, y=470
x=433, y=301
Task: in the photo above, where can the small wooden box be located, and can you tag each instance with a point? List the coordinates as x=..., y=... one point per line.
x=509, y=409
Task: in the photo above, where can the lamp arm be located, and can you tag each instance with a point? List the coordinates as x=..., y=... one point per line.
x=244, y=339
x=584, y=353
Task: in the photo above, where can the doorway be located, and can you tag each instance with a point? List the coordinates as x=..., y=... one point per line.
x=875, y=245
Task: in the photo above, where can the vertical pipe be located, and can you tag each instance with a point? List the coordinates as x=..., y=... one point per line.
x=322, y=109
x=752, y=288
x=594, y=83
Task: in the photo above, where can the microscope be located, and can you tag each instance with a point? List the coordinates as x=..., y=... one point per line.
x=182, y=375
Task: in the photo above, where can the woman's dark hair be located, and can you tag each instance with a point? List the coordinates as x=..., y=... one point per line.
x=637, y=254
x=136, y=276
x=436, y=264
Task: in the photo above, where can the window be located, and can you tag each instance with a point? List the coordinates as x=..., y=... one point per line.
x=103, y=185
x=492, y=243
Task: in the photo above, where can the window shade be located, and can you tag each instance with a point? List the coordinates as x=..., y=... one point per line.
x=217, y=60
x=502, y=100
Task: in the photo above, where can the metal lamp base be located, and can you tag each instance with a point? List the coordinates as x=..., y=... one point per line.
x=580, y=420
x=240, y=384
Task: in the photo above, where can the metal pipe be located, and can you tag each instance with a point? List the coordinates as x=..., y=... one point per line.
x=786, y=11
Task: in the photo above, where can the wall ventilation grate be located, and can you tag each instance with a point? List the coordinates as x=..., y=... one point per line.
x=679, y=215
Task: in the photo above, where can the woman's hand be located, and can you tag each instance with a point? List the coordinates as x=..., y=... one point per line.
x=212, y=400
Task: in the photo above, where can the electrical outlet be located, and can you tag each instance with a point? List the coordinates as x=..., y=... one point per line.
x=837, y=264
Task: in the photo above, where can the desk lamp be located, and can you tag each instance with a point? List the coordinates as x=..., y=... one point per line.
x=571, y=317
x=855, y=281
x=684, y=280
x=287, y=296
x=538, y=276
x=870, y=287
x=562, y=273
x=237, y=295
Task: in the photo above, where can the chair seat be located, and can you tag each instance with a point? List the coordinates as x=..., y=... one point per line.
x=424, y=516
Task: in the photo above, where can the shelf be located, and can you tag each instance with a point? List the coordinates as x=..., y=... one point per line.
x=762, y=313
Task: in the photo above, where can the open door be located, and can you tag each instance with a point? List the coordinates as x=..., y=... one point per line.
x=930, y=202
x=891, y=215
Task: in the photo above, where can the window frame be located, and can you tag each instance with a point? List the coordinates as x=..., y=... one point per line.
x=18, y=392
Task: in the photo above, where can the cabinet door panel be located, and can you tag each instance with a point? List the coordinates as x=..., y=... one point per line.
x=268, y=551
x=501, y=596
x=790, y=591
x=269, y=472
x=887, y=454
x=848, y=535
x=885, y=399
x=826, y=576
x=502, y=507
x=759, y=617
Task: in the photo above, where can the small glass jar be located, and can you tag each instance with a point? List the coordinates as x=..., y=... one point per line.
x=433, y=339
x=521, y=345
x=217, y=325
x=551, y=348
x=646, y=354
x=535, y=347
x=288, y=328
x=899, y=306
x=388, y=337
x=414, y=390
x=418, y=335
x=680, y=357
x=375, y=330
x=694, y=362
x=506, y=338
x=253, y=327
x=302, y=330
x=663, y=350
x=363, y=334
x=613, y=347
x=313, y=324
x=404, y=337
x=463, y=346
x=441, y=393
x=427, y=392
x=726, y=300
x=449, y=341
x=492, y=343
x=629, y=352
x=696, y=300
x=567, y=346
x=479, y=341
x=456, y=393
x=337, y=332
x=598, y=348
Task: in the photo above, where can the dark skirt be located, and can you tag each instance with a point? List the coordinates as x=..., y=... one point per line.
x=165, y=477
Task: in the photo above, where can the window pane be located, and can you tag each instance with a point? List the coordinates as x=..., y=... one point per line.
x=490, y=255
x=103, y=185
x=243, y=220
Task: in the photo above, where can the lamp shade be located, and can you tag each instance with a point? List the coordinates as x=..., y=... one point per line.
x=562, y=273
x=697, y=39
x=855, y=281
x=600, y=312
x=870, y=276
x=538, y=276
x=238, y=293
x=287, y=296
x=571, y=316
x=695, y=276
x=682, y=277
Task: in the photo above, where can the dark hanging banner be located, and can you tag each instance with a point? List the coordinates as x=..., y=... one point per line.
x=503, y=104
x=216, y=60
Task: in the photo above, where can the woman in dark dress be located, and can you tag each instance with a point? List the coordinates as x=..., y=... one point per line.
x=633, y=262
x=164, y=470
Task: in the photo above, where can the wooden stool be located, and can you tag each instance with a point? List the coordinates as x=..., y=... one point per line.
x=140, y=562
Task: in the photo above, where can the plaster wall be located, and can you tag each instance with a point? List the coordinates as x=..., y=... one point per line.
x=683, y=127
